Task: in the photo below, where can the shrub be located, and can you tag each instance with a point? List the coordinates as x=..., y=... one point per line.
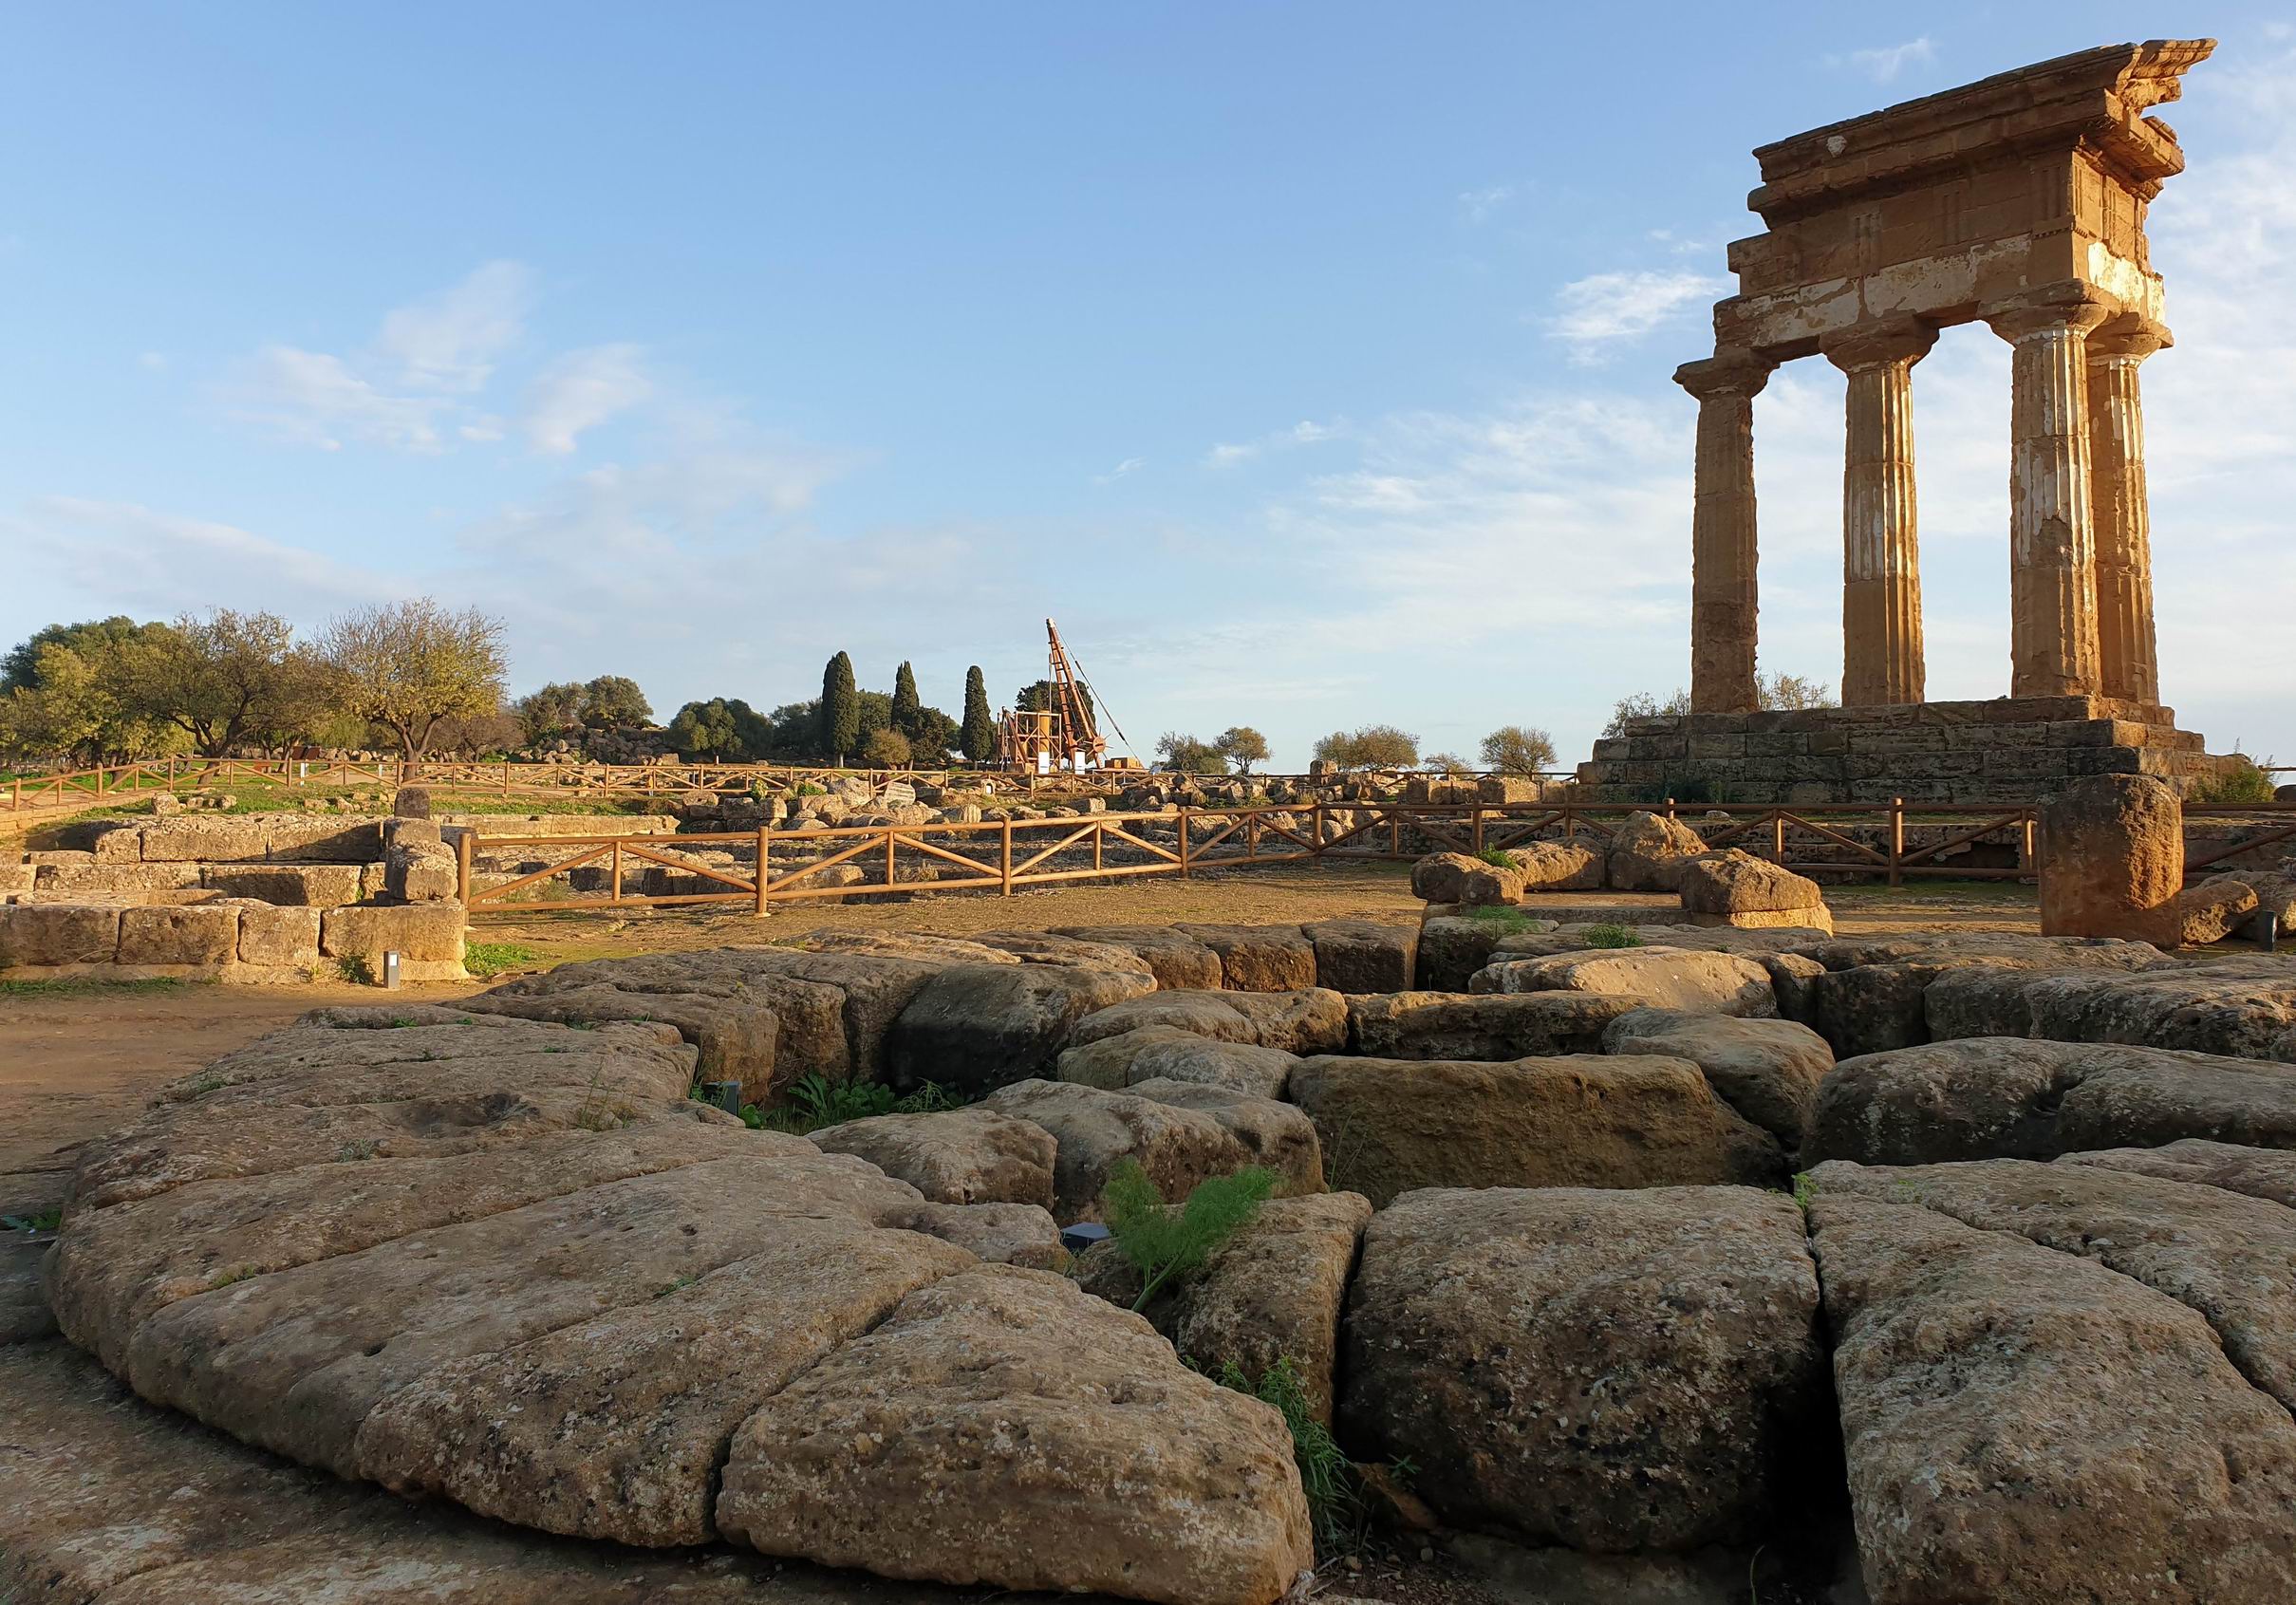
x=1334, y=1494
x=1499, y=856
x=816, y=1101
x=2245, y=782
x=1611, y=936
x=1166, y=1240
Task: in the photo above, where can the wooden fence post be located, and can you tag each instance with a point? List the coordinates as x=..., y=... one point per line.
x=617, y=888
x=764, y=850
x=1670, y=808
x=1777, y=837
x=1474, y=827
x=462, y=872
x=1896, y=841
x=1185, y=817
x=1007, y=873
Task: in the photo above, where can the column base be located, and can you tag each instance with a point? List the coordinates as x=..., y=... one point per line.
x=2009, y=750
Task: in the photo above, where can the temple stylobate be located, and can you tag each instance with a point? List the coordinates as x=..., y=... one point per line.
x=2018, y=203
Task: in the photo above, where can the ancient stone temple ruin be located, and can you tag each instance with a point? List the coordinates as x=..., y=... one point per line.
x=2018, y=203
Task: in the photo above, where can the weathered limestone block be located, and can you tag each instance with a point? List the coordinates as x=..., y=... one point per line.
x=1259, y=957
x=2267, y=1173
x=1768, y=1069
x=1096, y=1132
x=1646, y=853
x=1167, y=1052
x=738, y=1038
x=18, y=878
x=1664, y=977
x=1455, y=878
x=278, y=936
x=114, y=877
x=1003, y=1234
x=1391, y=1125
x=2010, y=1098
x=1444, y=1025
x=1452, y=948
x=198, y=839
x=1310, y=1022
x=427, y=937
x=304, y=885
x=971, y=1463
x=2025, y=1426
x=1738, y=883
x=1042, y=948
x=961, y=1156
x=2213, y=909
x=199, y=936
x=1559, y=866
x=1179, y=962
x=419, y=872
x=2112, y=860
x=57, y=933
x=1359, y=956
x=1276, y=1135
x=2238, y=1007
x=1608, y=1370
x=974, y=1027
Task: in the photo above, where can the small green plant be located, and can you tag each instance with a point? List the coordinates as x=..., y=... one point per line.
x=1611, y=935
x=807, y=789
x=487, y=959
x=224, y=1279
x=43, y=1220
x=816, y=1101
x=1334, y=1491
x=195, y=1087
x=1499, y=856
x=1164, y=1240
x=356, y=970
x=684, y=1281
x=752, y=1117
x=358, y=1148
x=1805, y=1189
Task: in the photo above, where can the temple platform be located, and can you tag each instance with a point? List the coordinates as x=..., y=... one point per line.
x=2011, y=749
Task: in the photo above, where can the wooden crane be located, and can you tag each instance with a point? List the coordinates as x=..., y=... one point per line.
x=1064, y=735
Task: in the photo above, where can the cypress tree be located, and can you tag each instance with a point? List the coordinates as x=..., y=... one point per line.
x=906, y=706
x=840, y=708
x=978, y=737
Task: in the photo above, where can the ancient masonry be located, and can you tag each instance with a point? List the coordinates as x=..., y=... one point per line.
x=2019, y=202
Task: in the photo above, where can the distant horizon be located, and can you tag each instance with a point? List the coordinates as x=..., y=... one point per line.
x=1309, y=364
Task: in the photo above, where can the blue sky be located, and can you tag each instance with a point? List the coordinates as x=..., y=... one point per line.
x=1308, y=362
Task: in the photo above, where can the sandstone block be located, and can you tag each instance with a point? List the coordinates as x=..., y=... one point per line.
x=1259, y=957
x=1738, y=883
x=1310, y=1022
x=1768, y=1069
x=302, y=886
x=1453, y=948
x=1608, y=1370
x=1646, y=853
x=2112, y=860
x=419, y=872
x=57, y=933
x=196, y=935
x=1359, y=956
x=1455, y=878
x=1665, y=977
x=1443, y=1025
x=274, y=936
x=1179, y=962
x=2213, y=909
x=961, y=1156
x=1391, y=1125
x=1559, y=866
x=423, y=933
x=1167, y=1052
x=974, y=1027
x=1096, y=1132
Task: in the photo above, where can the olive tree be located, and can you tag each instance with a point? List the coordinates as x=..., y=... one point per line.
x=409, y=666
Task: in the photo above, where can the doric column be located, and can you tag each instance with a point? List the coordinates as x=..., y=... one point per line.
x=2052, y=534
x=1723, y=597
x=2126, y=664
x=1882, y=660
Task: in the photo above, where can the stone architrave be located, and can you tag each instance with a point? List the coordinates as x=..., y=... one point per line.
x=1880, y=554
x=1722, y=590
x=2052, y=526
x=2127, y=665
x=2112, y=860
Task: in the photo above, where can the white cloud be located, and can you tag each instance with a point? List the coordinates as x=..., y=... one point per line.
x=1305, y=432
x=1129, y=466
x=1602, y=307
x=1482, y=205
x=580, y=391
x=316, y=399
x=451, y=341
x=1884, y=63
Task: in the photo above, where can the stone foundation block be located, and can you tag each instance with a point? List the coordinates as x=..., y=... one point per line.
x=424, y=934
x=57, y=933
x=117, y=878
x=274, y=936
x=206, y=934
x=417, y=872
x=293, y=885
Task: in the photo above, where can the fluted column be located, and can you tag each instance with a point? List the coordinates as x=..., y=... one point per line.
x=2126, y=663
x=1881, y=655
x=1724, y=600
x=2052, y=532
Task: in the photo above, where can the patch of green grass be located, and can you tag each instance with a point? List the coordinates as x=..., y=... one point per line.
x=487, y=959
x=87, y=986
x=1511, y=920
x=1496, y=855
x=1805, y=1189
x=356, y=970
x=816, y=1101
x=1611, y=936
x=43, y=1220
x=1164, y=1240
x=1334, y=1491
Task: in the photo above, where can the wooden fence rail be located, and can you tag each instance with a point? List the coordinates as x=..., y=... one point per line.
x=1008, y=855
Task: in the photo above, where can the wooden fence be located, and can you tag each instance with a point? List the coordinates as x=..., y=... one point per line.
x=1008, y=855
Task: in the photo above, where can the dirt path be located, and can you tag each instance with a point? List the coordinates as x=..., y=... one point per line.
x=77, y=1062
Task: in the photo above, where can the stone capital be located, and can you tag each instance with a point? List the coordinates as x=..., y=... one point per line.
x=2131, y=337
x=1732, y=371
x=2069, y=304
x=1878, y=342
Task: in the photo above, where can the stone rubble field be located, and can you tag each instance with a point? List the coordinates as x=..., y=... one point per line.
x=1980, y=1249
